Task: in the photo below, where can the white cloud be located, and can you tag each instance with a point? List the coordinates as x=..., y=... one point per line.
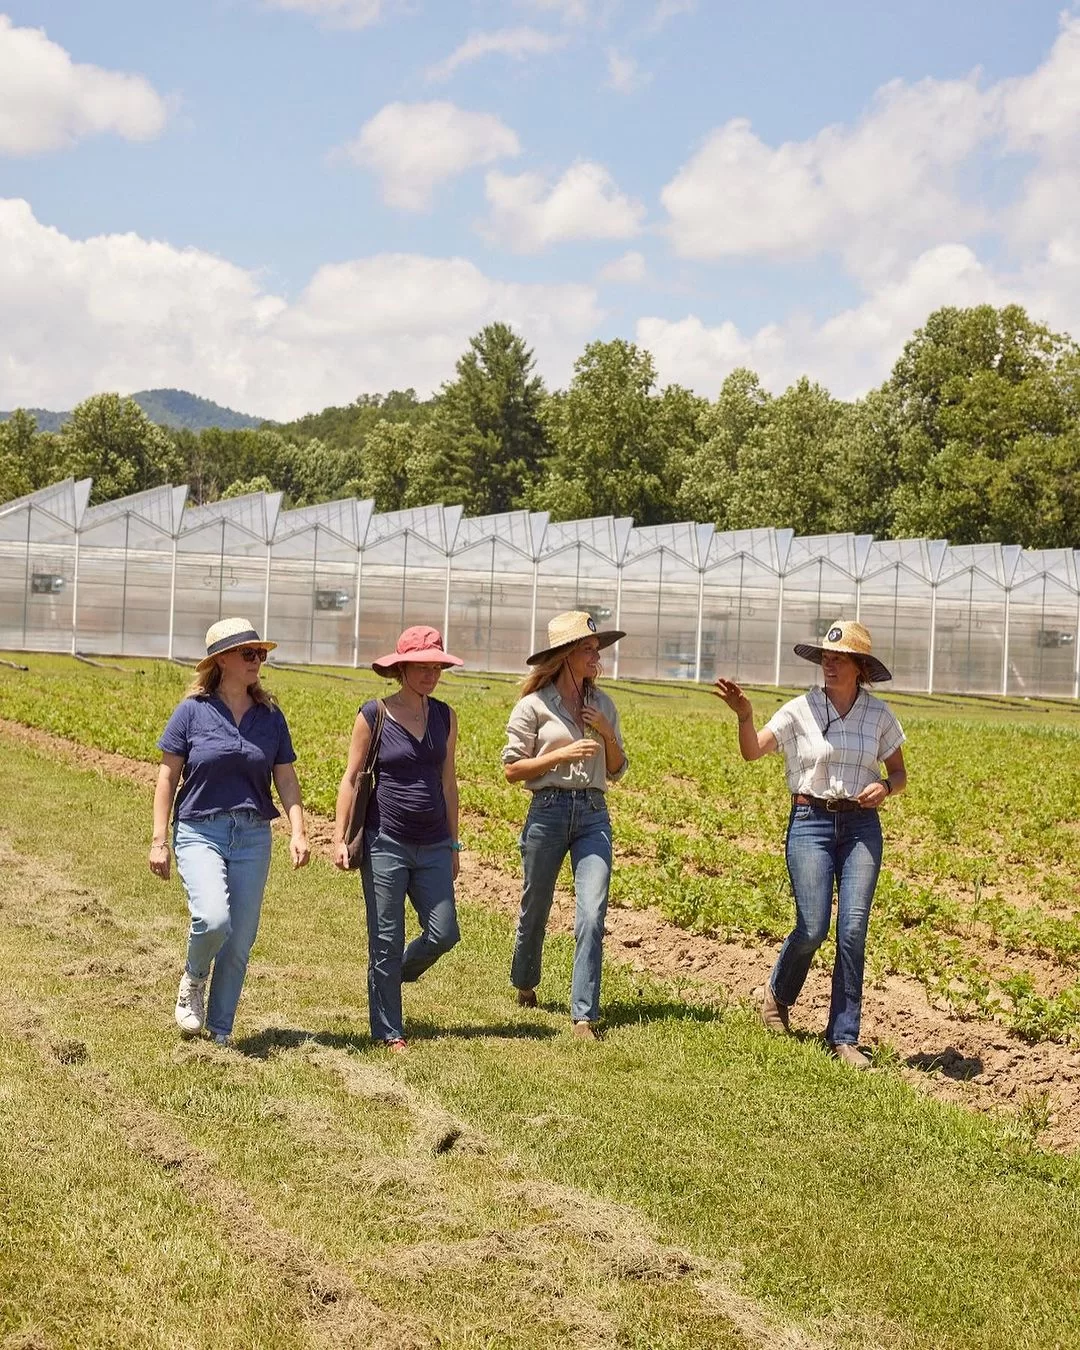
x=628, y=269
x=584, y=204
x=413, y=147
x=118, y=312
x=867, y=191
x=625, y=76
x=848, y=353
x=877, y=192
x=48, y=101
x=1041, y=111
x=341, y=13
x=516, y=43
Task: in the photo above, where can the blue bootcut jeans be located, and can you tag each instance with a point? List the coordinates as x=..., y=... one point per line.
x=562, y=821
x=827, y=849
x=223, y=861
x=389, y=871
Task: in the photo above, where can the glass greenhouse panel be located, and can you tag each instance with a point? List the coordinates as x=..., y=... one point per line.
x=335, y=584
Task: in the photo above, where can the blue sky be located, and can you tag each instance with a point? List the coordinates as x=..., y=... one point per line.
x=284, y=203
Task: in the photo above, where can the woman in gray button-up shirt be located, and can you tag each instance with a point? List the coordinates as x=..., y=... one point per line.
x=564, y=745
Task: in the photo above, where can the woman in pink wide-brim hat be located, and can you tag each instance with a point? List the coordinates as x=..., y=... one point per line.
x=411, y=846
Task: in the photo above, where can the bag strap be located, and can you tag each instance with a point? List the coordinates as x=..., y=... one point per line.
x=376, y=735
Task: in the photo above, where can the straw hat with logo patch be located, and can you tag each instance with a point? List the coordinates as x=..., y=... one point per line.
x=227, y=634
x=566, y=629
x=851, y=637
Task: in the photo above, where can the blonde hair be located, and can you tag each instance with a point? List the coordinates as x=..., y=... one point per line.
x=547, y=672
x=206, y=683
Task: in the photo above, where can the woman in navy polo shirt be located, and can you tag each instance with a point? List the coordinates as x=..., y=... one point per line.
x=410, y=836
x=224, y=743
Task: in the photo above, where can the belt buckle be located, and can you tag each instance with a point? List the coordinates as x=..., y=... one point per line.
x=834, y=804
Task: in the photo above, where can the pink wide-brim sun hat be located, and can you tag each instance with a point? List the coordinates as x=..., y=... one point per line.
x=419, y=645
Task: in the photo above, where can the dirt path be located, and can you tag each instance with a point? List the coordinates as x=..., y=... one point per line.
x=977, y=1064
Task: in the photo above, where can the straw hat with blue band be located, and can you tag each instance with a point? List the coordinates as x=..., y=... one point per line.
x=227, y=634
x=565, y=630
x=850, y=637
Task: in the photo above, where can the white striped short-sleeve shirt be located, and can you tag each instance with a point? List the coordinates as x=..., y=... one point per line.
x=839, y=761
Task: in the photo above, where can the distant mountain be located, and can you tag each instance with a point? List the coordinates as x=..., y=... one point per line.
x=168, y=407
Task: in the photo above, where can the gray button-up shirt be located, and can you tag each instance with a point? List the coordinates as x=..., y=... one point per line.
x=540, y=722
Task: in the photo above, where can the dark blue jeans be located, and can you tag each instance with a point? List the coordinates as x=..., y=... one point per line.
x=390, y=870
x=827, y=850
x=562, y=821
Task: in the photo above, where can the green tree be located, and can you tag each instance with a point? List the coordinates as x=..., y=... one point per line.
x=388, y=450
x=862, y=458
x=782, y=475
x=609, y=454
x=988, y=400
x=707, y=475
x=346, y=428
x=487, y=439
x=110, y=439
x=27, y=457
x=240, y=488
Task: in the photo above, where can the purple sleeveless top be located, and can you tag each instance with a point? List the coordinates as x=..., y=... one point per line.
x=409, y=804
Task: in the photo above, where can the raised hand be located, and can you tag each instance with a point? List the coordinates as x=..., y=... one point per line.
x=733, y=696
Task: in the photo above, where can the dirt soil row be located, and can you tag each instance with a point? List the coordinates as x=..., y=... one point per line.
x=977, y=1064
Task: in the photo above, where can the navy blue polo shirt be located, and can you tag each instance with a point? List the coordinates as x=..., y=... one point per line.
x=226, y=767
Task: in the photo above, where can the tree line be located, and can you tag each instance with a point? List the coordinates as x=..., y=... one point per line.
x=975, y=436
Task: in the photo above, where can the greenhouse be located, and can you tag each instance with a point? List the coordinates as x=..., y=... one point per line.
x=333, y=584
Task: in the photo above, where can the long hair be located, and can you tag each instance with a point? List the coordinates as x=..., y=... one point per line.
x=863, y=680
x=547, y=672
x=206, y=682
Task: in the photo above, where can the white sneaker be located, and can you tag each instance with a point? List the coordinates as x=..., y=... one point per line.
x=191, y=1004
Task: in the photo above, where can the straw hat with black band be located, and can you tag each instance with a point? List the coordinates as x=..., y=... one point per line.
x=227, y=634
x=565, y=630
x=850, y=637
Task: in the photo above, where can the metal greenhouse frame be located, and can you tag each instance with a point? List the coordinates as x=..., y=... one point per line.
x=334, y=584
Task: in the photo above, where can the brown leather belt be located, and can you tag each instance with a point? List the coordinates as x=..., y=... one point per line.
x=832, y=804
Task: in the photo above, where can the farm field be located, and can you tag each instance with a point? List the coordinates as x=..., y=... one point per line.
x=689, y=1183
x=979, y=897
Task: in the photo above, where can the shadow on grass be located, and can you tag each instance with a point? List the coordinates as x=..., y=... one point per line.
x=271, y=1040
x=950, y=1063
x=521, y=1031
x=264, y=1043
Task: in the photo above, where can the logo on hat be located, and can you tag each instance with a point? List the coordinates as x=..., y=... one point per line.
x=592, y=624
x=834, y=634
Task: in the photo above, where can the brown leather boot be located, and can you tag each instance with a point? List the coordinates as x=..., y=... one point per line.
x=852, y=1056
x=773, y=1013
x=526, y=998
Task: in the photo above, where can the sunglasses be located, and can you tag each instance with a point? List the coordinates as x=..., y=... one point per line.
x=252, y=654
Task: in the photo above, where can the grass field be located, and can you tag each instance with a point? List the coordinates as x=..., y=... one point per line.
x=689, y=1183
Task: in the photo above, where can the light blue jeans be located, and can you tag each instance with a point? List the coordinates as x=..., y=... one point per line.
x=223, y=861
x=390, y=871
x=562, y=821
x=826, y=849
